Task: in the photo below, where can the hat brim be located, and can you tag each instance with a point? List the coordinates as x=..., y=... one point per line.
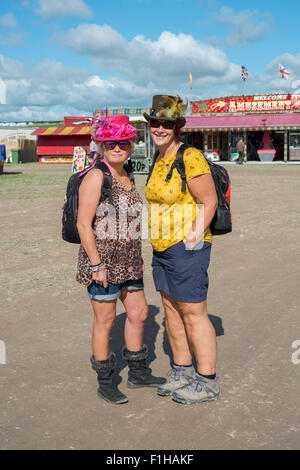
x=181, y=120
x=112, y=139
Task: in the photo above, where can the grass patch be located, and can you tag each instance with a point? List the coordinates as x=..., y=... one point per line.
x=29, y=186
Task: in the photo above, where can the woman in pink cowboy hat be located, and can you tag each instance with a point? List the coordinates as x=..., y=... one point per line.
x=110, y=260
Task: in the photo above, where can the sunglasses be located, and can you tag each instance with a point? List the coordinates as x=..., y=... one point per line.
x=122, y=144
x=155, y=123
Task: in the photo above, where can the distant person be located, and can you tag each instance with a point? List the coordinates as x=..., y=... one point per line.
x=110, y=263
x=252, y=152
x=93, y=148
x=240, y=148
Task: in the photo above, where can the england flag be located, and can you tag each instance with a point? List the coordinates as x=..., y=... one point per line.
x=284, y=73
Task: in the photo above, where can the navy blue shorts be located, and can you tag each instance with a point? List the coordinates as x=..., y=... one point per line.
x=112, y=291
x=182, y=273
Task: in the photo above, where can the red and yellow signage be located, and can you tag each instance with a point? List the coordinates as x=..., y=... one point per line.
x=51, y=159
x=248, y=104
x=67, y=130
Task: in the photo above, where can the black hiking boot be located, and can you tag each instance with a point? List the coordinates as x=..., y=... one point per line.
x=108, y=389
x=139, y=375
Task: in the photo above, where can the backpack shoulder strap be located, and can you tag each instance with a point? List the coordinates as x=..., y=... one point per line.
x=107, y=181
x=152, y=166
x=180, y=166
x=129, y=168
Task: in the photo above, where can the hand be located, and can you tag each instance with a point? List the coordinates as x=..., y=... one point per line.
x=188, y=245
x=190, y=242
x=100, y=277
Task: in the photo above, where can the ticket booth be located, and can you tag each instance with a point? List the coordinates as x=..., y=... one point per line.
x=140, y=156
x=143, y=146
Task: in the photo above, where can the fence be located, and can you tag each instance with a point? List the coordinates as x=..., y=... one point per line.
x=20, y=150
x=27, y=151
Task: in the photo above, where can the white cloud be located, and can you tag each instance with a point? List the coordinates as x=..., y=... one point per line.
x=10, y=68
x=295, y=86
x=165, y=62
x=33, y=92
x=290, y=61
x=292, y=64
x=129, y=73
x=8, y=21
x=49, y=9
x=250, y=26
x=93, y=39
x=13, y=39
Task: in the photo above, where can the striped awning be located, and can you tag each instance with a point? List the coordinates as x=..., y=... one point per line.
x=249, y=129
x=269, y=122
x=68, y=130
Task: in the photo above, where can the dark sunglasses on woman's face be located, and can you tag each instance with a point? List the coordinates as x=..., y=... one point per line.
x=155, y=123
x=122, y=144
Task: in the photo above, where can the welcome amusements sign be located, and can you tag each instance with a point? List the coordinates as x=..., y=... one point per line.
x=248, y=104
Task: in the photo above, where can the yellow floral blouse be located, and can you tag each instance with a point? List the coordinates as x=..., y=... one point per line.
x=172, y=212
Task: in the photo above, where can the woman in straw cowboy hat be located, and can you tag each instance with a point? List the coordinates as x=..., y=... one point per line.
x=110, y=262
x=181, y=253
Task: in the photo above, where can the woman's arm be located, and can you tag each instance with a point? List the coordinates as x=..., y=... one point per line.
x=89, y=197
x=203, y=191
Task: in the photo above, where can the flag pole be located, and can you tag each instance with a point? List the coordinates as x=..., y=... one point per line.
x=189, y=91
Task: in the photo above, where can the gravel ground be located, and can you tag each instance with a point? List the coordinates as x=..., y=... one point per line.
x=48, y=390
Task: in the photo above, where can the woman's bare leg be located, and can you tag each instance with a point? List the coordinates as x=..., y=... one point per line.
x=137, y=310
x=201, y=335
x=175, y=327
x=104, y=318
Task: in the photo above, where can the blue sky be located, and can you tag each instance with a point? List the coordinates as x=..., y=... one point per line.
x=67, y=57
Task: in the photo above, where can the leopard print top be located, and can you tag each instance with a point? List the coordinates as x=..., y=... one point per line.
x=117, y=231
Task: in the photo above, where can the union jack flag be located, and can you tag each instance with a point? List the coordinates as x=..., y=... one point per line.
x=244, y=73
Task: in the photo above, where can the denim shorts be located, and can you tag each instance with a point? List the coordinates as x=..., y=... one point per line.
x=113, y=291
x=182, y=273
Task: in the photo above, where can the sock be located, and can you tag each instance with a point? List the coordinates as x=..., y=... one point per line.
x=211, y=377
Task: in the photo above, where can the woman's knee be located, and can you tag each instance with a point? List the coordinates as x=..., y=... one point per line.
x=169, y=307
x=105, y=321
x=192, y=313
x=138, y=315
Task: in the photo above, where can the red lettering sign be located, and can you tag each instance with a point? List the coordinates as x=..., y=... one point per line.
x=248, y=104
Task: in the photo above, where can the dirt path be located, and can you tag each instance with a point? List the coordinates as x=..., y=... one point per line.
x=48, y=394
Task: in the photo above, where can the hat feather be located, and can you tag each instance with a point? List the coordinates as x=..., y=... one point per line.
x=99, y=119
x=175, y=107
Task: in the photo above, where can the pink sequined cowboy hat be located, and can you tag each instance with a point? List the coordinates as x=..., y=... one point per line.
x=110, y=128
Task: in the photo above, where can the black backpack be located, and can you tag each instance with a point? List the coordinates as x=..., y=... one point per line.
x=222, y=220
x=70, y=210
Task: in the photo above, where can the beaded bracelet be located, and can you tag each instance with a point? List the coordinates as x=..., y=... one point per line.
x=97, y=267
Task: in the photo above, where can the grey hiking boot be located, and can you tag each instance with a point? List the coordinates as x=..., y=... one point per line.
x=180, y=377
x=201, y=389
